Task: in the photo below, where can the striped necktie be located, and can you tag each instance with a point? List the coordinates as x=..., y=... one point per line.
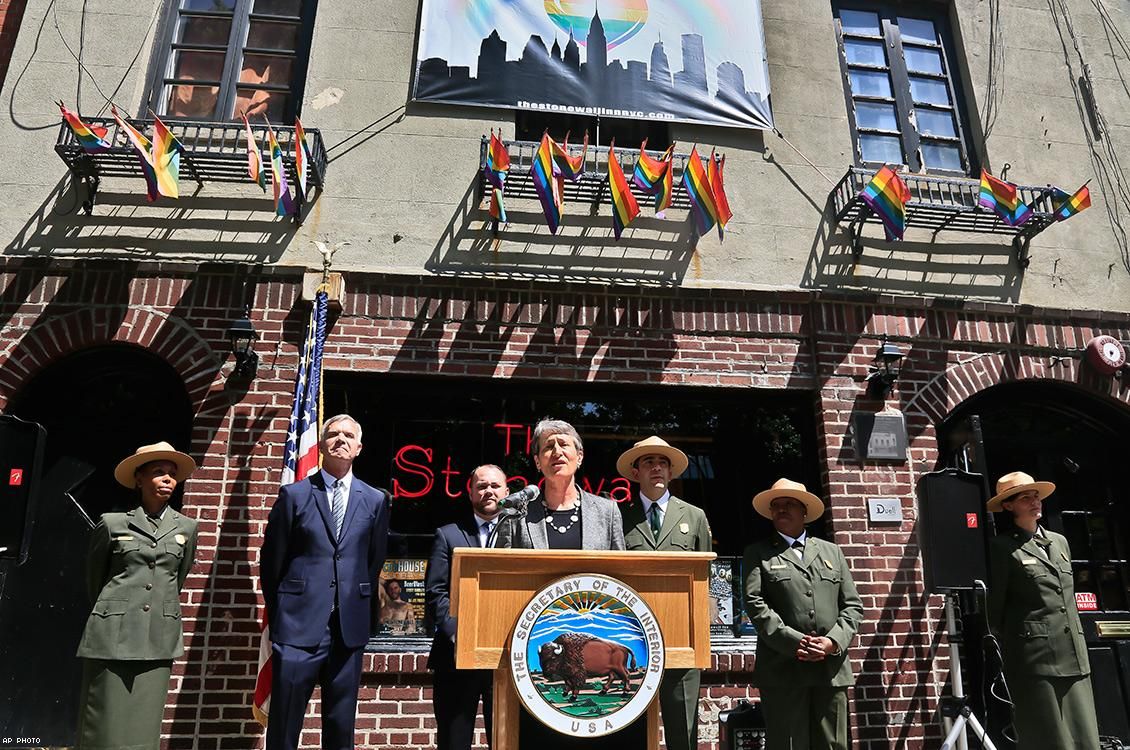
x=338, y=508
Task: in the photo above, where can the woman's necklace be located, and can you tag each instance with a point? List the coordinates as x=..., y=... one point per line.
x=555, y=514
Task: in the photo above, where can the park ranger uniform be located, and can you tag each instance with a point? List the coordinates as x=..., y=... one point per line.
x=683, y=528
x=135, y=569
x=788, y=596
x=1032, y=611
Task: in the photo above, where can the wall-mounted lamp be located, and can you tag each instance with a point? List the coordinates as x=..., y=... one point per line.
x=242, y=336
x=885, y=369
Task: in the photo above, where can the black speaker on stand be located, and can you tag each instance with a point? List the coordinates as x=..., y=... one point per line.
x=953, y=530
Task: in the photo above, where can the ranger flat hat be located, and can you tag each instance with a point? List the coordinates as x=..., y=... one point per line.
x=653, y=444
x=157, y=452
x=1014, y=483
x=814, y=506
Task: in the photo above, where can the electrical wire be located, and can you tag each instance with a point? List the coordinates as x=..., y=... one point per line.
x=994, y=93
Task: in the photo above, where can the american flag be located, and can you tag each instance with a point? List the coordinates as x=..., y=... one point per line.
x=299, y=461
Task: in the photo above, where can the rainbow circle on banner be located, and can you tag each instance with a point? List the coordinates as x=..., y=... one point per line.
x=622, y=19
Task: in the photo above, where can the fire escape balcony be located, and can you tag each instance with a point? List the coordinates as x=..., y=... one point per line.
x=213, y=152
x=942, y=203
x=592, y=186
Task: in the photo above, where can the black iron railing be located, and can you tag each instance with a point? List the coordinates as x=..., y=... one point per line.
x=592, y=186
x=942, y=203
x=213, y=152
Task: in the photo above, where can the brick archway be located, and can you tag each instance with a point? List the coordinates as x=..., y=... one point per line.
x=974, y=373
x=170, y=338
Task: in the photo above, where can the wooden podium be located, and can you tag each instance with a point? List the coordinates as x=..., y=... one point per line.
x=491, y=587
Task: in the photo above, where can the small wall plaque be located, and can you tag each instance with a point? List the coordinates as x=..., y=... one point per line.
x=884, y=509
x=880, y=436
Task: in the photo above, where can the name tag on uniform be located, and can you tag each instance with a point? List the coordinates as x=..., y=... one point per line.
x=777, y=565
x=1065, y=557
x=125, y=538
x=1029, y=561
x=827, y=563
x=685, y=528
x=179, y=538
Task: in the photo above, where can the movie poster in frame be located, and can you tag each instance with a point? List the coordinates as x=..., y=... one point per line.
x=696, y=61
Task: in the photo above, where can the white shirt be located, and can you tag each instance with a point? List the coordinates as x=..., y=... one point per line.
x=789, y=541
x=484, y=534
x=661, y=502
x=330, y=481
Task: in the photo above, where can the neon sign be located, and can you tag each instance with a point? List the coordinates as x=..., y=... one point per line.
x=417, y=469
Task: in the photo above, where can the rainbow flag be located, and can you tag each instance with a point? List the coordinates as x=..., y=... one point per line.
x=284, y=206
x=92, y=138
x=714, y=175
x=1002, y=198
x=548, y=188
x=656, y=176
x=497, y=208
x=569, y=167
x=624, y=206
x=498, y=162
x=166, y=159
x=301, y=154
x=255, y=168
x=887, y=195
x=697, y=184
x=143, y=149
x=1065, y=206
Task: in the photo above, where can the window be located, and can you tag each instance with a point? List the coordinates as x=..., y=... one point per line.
x=901, y=92
x=227, y=57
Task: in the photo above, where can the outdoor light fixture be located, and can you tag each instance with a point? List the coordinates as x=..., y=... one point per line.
x=242, y=336
x=884, y=369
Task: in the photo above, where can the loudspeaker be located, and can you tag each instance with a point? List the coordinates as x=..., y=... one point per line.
x=952, y=530
x=21, y=462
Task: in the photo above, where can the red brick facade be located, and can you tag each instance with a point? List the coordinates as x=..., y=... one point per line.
x=449, y=328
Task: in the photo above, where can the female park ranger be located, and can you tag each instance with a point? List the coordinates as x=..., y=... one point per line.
x=137, y=563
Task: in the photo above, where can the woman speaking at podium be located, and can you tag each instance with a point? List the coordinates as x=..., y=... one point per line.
x=1032, y=612
x=566, y=517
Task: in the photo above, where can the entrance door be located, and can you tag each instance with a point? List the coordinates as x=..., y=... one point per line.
x=1062, y=434
x=97, y=406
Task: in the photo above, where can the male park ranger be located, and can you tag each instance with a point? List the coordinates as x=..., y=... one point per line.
x=657, y=521
x=801, y=598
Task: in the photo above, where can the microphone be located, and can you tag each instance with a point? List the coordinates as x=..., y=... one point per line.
x=516, y=502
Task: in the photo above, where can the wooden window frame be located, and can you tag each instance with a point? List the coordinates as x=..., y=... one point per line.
x=910, y=137
x=160, y=74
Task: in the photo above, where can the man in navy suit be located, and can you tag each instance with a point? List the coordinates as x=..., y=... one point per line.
x=322, y=553
x=456, y=692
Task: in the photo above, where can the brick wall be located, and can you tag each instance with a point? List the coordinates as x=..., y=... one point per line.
x=11, y=15
x=796, y=340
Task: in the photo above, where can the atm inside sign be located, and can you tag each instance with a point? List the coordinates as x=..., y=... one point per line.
x=1085, y=601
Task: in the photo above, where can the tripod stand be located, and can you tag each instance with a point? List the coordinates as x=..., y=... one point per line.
x=955, y=708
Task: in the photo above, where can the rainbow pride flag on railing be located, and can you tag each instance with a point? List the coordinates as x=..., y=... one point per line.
x=547, y=187
x=496, y=169
x=284, y=206
x=92, y=138
x=255, y=169
x=569, y=167
x=144, y=151
x=1001, y=197
x=166, y=159
x=1065, y=206
x=717, y=188
x=887, y=195
x=696, y=181
x=301, y=154
x=656, y=176
x=624, y=205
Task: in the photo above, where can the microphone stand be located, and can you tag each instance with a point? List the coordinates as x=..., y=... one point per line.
x=509, y=513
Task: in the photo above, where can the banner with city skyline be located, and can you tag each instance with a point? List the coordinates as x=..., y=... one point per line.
x=700, y=61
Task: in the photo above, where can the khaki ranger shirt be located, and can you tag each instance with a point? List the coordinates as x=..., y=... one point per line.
x=1032, y=606
x=788, y=598
x=134, y=575
x=684, y=528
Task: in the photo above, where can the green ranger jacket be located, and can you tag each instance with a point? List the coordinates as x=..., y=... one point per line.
x=134, y=576
x=788, y=598
x=684, y=528
x=1032, y=606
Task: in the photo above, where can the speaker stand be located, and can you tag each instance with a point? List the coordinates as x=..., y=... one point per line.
x=955, y=708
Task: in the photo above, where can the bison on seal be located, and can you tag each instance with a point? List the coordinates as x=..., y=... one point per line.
x=574, y=657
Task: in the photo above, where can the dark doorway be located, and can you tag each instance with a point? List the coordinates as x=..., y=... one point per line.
x=97, y=405
x=1062, y=434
